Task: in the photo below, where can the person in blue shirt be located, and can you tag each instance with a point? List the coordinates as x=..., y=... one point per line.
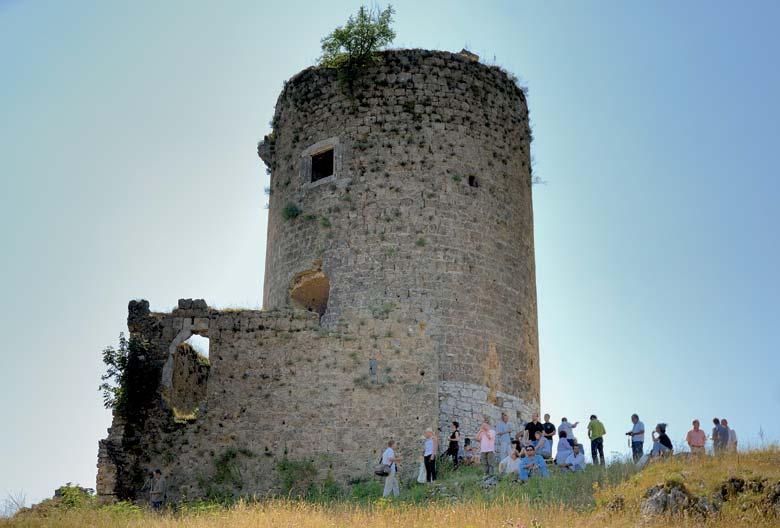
x=575, y=461
x=532, y=465
x=637, y=434
x=542, y=446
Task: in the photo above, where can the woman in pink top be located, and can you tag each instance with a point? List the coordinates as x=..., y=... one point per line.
x=487, y=446
x=696, y=439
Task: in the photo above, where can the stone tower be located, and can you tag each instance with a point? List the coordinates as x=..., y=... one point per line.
x=414, y=191
x=399, y=292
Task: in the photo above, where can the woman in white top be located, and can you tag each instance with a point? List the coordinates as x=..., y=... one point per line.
x=429, y=455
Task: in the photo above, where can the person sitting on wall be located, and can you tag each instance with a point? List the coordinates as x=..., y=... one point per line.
x=509, y=465
x=542, y=446
x=564, y=449
x=532, y=465
x=575, y=461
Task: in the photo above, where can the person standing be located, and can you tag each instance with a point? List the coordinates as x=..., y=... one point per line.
x=723, y=434
x=453, y=448
x=549, y=430
x=503, y=436
x=429, y=455
x=720, y=436
x=731, y=443
x=529, y=435
x=637, y=434
x=390, y=459
x=596, y=432
x=696, y=439
x=157, y=491
x=715, y=440
x=568, y=428
x=487, y=446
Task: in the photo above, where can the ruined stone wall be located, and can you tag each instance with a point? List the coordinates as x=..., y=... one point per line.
x=429, y=209
x=399, y=291
x=279, y=387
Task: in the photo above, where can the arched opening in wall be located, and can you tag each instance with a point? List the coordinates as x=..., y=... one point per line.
x=310, y=290
x=191, y=369
x=200, y=344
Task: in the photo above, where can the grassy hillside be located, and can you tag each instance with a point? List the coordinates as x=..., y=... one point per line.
x=745, y=487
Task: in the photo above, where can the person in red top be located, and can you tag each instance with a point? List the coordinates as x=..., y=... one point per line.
x=696, y=439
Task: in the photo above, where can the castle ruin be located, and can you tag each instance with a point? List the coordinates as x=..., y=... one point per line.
x=399, y=292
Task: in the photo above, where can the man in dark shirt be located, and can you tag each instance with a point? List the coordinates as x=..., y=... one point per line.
x=548, y=429
x=531, y=427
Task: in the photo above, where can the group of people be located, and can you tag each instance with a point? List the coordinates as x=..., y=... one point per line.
x=528, y=451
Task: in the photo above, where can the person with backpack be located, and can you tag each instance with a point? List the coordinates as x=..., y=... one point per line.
x=390, y=459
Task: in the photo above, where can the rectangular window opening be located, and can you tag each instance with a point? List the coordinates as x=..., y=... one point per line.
x=322, y=165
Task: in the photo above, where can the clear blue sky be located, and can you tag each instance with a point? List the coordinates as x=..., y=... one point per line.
x=128, y=170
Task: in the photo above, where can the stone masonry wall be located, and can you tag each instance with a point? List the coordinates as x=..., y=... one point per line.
x=429, y=209
x=279, y=387
x=418, y=252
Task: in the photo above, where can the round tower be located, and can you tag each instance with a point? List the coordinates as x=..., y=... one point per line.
x=406, y=194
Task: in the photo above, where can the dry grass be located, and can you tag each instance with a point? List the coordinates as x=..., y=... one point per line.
x=286, y=514
x=700, y=476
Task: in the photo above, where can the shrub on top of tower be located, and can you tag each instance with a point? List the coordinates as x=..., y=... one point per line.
x=353, y=46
